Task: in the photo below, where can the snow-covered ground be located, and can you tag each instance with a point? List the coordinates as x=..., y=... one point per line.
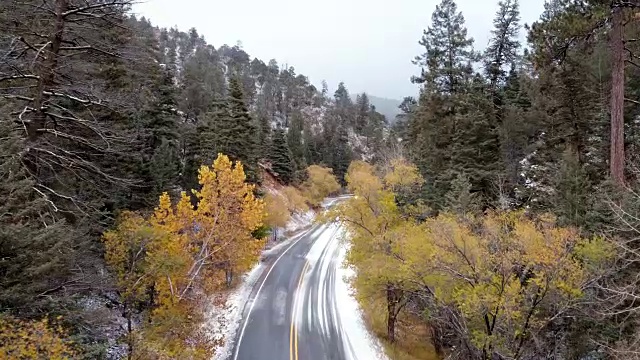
x=224, y=321
x=300, y=221
x=358, y=341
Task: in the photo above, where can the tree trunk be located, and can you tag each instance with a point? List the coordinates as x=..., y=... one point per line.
x=391, y=313
x=436, y=340
x=229, y=276
x=46, y=69
x=617, y=97
x=126, y=312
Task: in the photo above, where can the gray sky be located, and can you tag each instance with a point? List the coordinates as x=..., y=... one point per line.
x=368, y=44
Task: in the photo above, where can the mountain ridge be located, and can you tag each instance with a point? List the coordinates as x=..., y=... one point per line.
x=385, y=106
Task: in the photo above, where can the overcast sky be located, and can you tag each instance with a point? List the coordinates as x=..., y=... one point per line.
x=368, y=44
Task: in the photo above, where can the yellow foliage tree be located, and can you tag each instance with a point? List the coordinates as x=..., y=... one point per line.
x=376, y=224
x=402, y=175
x=21, y=339
x=506, y=276
x=277, y=210
x=496, y=282
x=182, y=254
x=320, y=183
x=296, y=202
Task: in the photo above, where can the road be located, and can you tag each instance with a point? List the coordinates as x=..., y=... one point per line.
x=293, y=311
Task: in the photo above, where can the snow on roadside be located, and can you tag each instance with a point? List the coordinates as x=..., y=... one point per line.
x=300, y=221
x=223, y=321
x=359, y=343
x=327, y=254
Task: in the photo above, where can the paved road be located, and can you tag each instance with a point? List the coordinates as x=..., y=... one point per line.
x=293, y=311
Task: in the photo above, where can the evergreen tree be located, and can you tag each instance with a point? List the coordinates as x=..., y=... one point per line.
x=342, y=97
x=518, y=131
x=296, y=144
x=343, y=109
x=446, y=79
x=571, y=201
x=37, y=246
x=263, y=134
x=341, y=153
x=363, y=109
x=460, y=199
x=236, y=132
x=447, y=60
x=281, y=158
x=504, y=45
x=161, y=132
x=475, y=149
x=202, y=79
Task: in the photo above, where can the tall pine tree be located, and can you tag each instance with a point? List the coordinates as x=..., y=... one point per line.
x=446, y=74
x=296, y=143
x=281, y=158
x=504, y=45
x=236, y=132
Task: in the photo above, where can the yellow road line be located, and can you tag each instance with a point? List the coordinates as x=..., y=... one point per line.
x=293, y=334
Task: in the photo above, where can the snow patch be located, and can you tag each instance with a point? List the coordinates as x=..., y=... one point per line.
x=358, y=343
x=224, y=321
x=300, y=221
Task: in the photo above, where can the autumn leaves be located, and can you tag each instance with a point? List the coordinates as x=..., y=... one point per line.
x=487, y=284
x=171, y=262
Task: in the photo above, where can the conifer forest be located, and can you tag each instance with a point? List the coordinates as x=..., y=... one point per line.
x=145, y=171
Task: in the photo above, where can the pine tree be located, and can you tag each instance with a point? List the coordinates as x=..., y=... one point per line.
x=504, y=45
x=37, y=247
x=518, y=130
x=475, y=149
x=264, y=133
x=208, y=132
x=296, y=144
x=446, y=78
x=343, y=108
x=572, y=197
x=161, y=137
x=236, y=132
x=342, y=97
x=460, y=199
x=363, y=109
x=202, y=79
x=568, y=117
x=448, y=54
x=342, y=154
x=281, y=158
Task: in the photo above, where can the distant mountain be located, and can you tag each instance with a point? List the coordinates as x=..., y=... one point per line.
x=386, y=107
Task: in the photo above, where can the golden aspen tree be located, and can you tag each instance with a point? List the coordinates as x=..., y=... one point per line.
x=503, y=279
x=182, y=255
x=492, y=283
x=21, y=339
x=375, y=223
x=277, y=210
x=320, y=183
x=296, y=202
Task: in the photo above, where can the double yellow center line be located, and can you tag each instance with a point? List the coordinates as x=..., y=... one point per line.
x=293, y=335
